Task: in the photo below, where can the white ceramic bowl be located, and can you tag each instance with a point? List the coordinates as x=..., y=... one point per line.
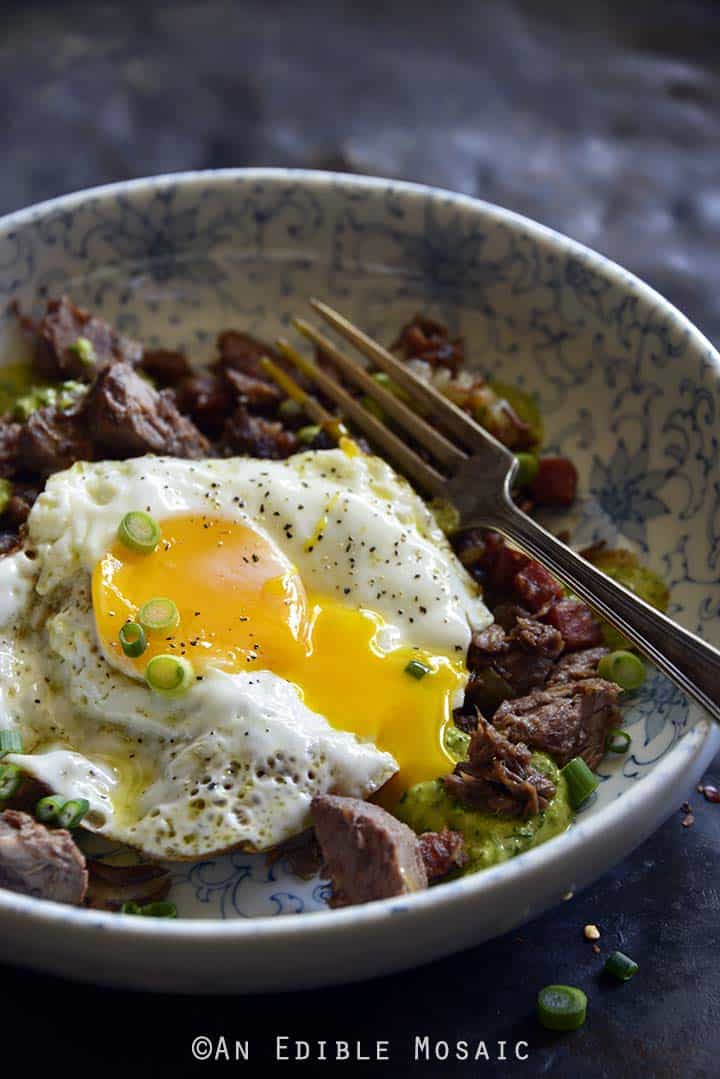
x=629, y=389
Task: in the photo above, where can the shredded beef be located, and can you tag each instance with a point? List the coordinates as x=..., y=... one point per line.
x=37, y=861
x=499, y=777
x=62, y=324
x=522, y=659
x=575, y=666
x=368, y=854
x=442, y=852
x=208, y=398
x=166, y=366
x=577, y=624
x=127, y=418
x=555, y=483
x=256, y=436
x=565, y=721
x=242, y=352
x=253, y=392
x=52, y=440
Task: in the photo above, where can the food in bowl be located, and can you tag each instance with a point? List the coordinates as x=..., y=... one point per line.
x=220, y=627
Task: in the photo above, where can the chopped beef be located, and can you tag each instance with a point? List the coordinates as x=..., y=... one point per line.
x=536, y=587
x=555, y=483
x=39, y=862
x=368, y=853
x=62, y=324
x=499, y=777
x=253, y=392
x=53, y=439
x=442, y=852
x=256, y=436
x=522, y=659
x=242, y=352
x=127, y=418
x=9, y=439
x=429, y=341
x=575, y=666
x=565, y=721
x=507, y=614
x=208, y=398
x=166, y=366
x=577, y=624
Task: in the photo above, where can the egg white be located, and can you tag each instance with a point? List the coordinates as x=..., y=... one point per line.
x=237, y=760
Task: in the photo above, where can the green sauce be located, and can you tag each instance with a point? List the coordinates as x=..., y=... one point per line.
x=489, y=839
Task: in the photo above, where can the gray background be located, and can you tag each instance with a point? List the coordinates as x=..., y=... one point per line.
x=602, y=121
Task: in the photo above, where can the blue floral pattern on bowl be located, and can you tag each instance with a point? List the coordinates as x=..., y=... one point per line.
x=625, y=388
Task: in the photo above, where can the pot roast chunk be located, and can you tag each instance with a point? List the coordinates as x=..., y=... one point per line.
x=52, y=440
x=498, y=777
x=522, y=657
x=368, y=853
x=128, y=418
x=575, y=666
x=56, y=354
x=564, y=721
x=37, y=861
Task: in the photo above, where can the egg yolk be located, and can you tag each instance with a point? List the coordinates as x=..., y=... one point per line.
x=242, y=606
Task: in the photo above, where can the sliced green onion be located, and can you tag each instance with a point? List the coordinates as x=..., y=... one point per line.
x=624, y=668
x=10, y=780
x=308, y=434
x=620, y=966
x=527, y=467
x=561, y=1007
x=25, y=406
x=416, y=669
x=159, y=910
x=139, y=532
x=158, y=614
x=132, y=639
x=170, y=675
x=580, y=780
x=5, y=494
x=372, y=406
x=150, y=910
x=48, y=809
x=10, y=742
x=72, y=813
x=85, y=351
x=384, y=380
x=289, y=409
x=617, y=741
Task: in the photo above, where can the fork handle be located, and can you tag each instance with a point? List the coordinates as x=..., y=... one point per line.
x=687, y=660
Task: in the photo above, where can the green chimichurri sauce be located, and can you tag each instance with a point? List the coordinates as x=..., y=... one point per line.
x=489, y=839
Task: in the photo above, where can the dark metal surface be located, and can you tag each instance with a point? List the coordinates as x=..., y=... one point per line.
x=604, y=123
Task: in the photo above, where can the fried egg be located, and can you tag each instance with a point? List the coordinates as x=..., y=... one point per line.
x=308, y=593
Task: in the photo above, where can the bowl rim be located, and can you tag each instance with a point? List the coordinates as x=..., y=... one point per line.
x=701, y=741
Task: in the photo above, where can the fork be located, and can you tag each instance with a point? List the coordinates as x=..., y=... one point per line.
x=474, y=471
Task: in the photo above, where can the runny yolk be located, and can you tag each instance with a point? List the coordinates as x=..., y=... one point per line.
x=243, y=607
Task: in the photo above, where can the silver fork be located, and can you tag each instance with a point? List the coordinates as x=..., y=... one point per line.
x=475, y=472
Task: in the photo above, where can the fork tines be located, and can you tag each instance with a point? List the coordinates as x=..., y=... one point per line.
x=406, y=402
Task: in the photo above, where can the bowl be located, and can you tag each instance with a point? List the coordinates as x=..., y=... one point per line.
x=628, y=388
